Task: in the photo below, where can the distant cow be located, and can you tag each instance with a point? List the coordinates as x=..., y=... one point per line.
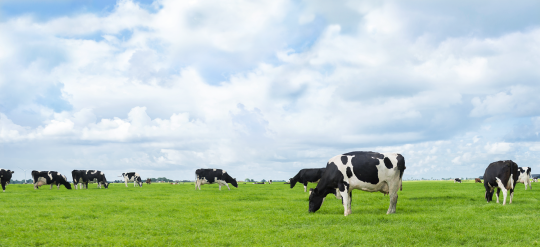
x=210, y=176
x=5, y=177
x=148, y=181
x=535, y=180
x=97, y=177
x=504, y=176
x=132, y=177
x=477, y=180
x=270, y=181
x=525, y=176
x=367, y=171
x=457, y=180
x=79, y=179
x=49, y=177
x=308, y=175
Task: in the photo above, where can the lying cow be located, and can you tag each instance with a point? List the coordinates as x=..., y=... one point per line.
x=80, y=179
x=49, y=177
x=477, y=180
x=132, y=177
x=308, y=175
x=504, y=176
x=97, y=177
x=525, y=176
x=457, y=180
x=5, y=177
x=367, y=171
x=210, y=176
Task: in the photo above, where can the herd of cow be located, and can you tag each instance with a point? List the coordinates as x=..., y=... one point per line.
x=367, y=171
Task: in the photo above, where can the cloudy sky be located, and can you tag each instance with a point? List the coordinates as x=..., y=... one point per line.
x=265, y=88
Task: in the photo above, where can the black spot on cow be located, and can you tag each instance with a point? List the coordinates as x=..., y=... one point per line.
x=388, y=163
x=365, y=166
x=344, y=159
x=349, y=172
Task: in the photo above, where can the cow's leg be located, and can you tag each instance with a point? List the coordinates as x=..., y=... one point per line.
x=219, y=186
x=134, y=183
x=345, y=201
x=125, y=181
x=498, y=191
x=51, y=187
x=503, y=188
x=305, y=187
x=511, y=195
x=392, y=191
x=228, y=186
x=350, y=201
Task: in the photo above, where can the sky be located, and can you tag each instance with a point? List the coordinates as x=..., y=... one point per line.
x=263, y=89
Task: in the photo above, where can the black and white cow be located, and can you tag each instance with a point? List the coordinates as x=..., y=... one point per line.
x=367, y=171
x=457, y=180
x=525, y=176
x=5, y=177
x=504, y=176
x=308, y=175
x=79, y=179
x=132, y=177
x=49, y=177
x=210, y=176
x=97, y=177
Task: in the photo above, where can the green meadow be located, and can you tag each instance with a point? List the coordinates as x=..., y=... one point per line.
x=431, y=213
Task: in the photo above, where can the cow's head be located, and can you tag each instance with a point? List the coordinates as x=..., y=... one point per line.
x=293, y=181
x=67, y=184
x=234, y=183
x=7, y=175
x=139, y=181
x=106, y=185
x=316, y=199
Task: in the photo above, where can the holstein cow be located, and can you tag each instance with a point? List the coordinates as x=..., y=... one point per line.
x=504, y=176
x=367, y=171
x=477, y=180
x=525, y=176
x=210, y=176
x=457, y=180
x=97, y=177
x=80, y=178
x=49, y=177
x=132, y=177
x=308, y=175
x=5, y=177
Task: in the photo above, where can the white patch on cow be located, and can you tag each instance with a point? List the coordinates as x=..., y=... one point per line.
x=214, y=169
x=305, y=188
x=503, y=189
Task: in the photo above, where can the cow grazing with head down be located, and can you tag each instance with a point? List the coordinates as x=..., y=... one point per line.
x=148, y=181
x=5, y=177
x=525, y=176
x=97, y=177
x=504, y=176
x=80, y=179
x=305, y=176
x=132, y=177
x=367, y=171
x=477, y=180
x=457, y=180
x=210, y=176
x=49, y=177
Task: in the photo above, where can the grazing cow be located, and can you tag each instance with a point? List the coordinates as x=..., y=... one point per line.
x=80, y=178
x=97, y=177
x=148, y=181
x=132, y=177
x=504, y=176
x=477, y=180
x=270, y=181
x=367, y=171
x=535, y=180
x=311, y=175
x=457, y=180
x=210, y=176
x=525, y=176
x=5, y=177
x=49, y=177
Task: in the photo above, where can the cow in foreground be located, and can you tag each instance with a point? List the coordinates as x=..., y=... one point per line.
x=367, y=171
x=504, y=176
x=308, y=175
x=210, y=176
x=80, y=179
x=457, y=180
x=49, y=177
x=132, y=177
x=477, y=180
x=5, y=177
x=525, y=176
x=97, y=177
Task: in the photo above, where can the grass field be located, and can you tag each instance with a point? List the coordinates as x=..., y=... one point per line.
x=428, y=213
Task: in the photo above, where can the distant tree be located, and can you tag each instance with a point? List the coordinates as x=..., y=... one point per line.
x=263, y=180
x=247, y=179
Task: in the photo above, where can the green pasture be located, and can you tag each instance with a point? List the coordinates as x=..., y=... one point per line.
x=428, y=213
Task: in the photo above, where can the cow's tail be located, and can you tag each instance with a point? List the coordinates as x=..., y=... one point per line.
x=401, y=165
x=512, y=174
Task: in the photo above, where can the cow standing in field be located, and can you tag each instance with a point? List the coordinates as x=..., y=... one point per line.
x=5, y=177
x=308, y=175
x=148, y=181
x=477, y=180
x=210, y=176
x=79, y=178
x=367, y=171
x=49, y=177
x=504, y=176
x=457, y=180
x=270, y=181
x=132, y=177
x=525, y=176
x=97, y=177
